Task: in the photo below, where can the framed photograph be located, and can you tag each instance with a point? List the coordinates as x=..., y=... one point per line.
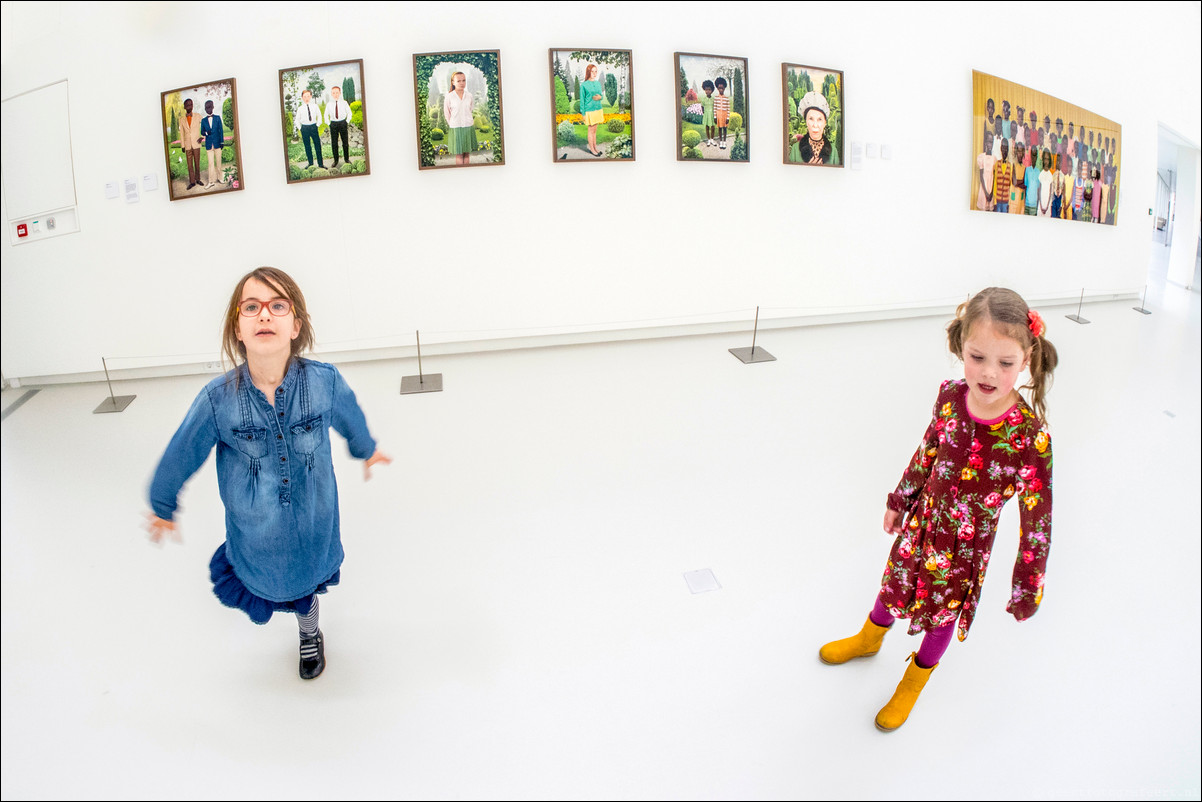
x=1038, y=156
x=813, y=115
x=713, y=113
x=458, y=102
x=200, y=140
x=323, y=108
x=592, y=105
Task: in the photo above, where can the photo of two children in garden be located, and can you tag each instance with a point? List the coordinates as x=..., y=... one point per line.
x=714, y=124
x=324, y=121
x=200, y=139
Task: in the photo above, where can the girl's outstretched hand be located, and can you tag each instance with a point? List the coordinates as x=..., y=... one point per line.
x=157, y=527
x=893, y=522
x=378, y=458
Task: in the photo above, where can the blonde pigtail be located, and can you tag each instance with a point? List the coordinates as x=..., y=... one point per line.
x=1043, y=363
x=955, y=332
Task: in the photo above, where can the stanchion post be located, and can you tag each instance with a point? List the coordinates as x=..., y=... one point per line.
x=1143, y=303
x=1077, y=317
x=114, y=403
x=749, y=356
x=421, y=383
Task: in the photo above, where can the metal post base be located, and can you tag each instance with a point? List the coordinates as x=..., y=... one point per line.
x=421, y=384
x=1077, y=319
x=114, y=404
x=1141, y=310
x=749, y=356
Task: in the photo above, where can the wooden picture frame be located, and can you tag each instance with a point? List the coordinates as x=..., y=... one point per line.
x=808, y=93
x=479, y=143
x=202, y=170
x=701, y=80
x=611, y=136
x=334, y=143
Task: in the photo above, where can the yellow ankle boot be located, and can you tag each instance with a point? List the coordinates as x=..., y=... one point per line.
x=895, y=713
x=863, y=644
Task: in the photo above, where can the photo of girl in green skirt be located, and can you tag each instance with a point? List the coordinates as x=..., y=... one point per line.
x=459, y=109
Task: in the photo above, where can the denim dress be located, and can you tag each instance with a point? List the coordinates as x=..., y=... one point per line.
x=276, y=478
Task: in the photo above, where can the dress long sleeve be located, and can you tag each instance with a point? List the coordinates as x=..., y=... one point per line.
x=349, y=421
x=187, y=451
x=905, y=497
x=1034, y=491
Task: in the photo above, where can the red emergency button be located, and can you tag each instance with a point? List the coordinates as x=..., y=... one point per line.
x=22, y=230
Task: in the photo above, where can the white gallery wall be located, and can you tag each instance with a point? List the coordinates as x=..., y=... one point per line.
x=532, y=247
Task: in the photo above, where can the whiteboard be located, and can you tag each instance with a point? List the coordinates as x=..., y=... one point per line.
x=36, y=151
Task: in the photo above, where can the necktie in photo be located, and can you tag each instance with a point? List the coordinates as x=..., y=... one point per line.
x=309, y=111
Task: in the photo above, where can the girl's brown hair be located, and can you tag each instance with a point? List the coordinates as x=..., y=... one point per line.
x=589, y=70
x=1007, y=311
x=282, y=284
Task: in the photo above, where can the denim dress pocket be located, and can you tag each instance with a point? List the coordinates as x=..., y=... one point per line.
x=252, y=442
x=307, y=437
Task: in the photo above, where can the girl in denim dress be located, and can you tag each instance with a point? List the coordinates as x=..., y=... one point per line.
x=269, y=420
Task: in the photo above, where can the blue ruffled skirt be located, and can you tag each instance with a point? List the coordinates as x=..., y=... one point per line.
x=230, y=591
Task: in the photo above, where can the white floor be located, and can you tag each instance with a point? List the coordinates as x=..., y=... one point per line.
x=513, y=620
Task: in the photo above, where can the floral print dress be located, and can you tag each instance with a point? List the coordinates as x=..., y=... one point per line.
x=962, y=474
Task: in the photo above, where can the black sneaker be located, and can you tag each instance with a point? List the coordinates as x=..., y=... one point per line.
x=312, y=656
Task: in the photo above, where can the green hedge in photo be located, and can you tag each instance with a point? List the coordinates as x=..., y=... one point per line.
x=622, y=147
x=738, y=151
x=562, y=104
x=179, y=163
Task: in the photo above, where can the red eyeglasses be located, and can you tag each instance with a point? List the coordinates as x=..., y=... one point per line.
x=277, y=307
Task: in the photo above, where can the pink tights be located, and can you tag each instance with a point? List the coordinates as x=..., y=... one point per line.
x=934, y=643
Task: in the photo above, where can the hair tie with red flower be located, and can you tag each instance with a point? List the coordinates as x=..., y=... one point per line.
x=1035, y=323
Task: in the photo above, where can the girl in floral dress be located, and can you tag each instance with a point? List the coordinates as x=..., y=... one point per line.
x=985, y=445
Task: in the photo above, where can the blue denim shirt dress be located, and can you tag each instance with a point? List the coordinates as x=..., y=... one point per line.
x=274, y=471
